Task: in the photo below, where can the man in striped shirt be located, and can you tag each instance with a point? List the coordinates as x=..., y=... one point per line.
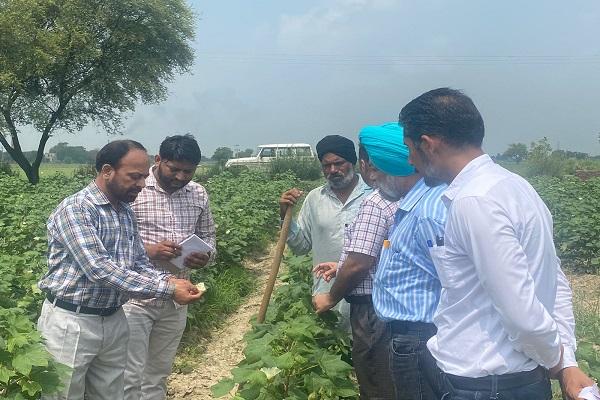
x=381, y=152
x=406, y=288
x=169, y=209
x=96, y=261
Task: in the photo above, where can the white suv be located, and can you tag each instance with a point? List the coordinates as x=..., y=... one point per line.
x=269, y=152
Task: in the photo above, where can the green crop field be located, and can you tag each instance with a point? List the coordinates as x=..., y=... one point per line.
x=294, y=345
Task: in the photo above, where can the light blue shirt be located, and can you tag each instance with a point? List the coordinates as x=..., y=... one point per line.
x=406, y=285
x=320, y=226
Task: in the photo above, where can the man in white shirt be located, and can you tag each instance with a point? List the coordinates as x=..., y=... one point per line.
x=505, y=320
x=327, y=210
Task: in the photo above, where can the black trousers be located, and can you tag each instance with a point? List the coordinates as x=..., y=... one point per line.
x=370, y=344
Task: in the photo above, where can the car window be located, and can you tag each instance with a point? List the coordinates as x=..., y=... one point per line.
x=284, y=152
x=303, y=151
x=267, y=152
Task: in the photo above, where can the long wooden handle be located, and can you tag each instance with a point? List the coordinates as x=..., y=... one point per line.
x=285, y=229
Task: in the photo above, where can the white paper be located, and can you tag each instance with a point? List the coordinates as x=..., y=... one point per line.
x=192, y=244
x=590, y=393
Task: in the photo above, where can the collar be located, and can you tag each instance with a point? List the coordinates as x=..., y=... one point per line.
x=464, y=176
x=414, y=195
x=97, y=196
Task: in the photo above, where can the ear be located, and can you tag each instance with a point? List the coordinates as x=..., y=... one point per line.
x=106, y=171
x=156, y=159
x=429, y=143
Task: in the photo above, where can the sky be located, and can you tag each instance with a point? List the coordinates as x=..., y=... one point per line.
x=271, y=71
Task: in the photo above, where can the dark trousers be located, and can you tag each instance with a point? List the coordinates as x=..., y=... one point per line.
x=370, y=351
x=411, y=364
x=531, y=385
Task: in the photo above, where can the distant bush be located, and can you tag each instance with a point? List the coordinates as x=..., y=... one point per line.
x=86, y=172
x=307, y=169
x=542, y=161
x=6, y=169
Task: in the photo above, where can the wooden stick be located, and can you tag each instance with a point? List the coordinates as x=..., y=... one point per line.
x=285, y=229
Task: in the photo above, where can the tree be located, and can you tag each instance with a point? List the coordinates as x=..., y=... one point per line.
x=244, y=153
x=222, y=154
x=516, y=152
x=67, y=63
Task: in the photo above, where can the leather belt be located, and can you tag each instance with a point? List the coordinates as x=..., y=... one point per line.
x=403, y=327
x=65, y=305
x=504, y=382
x=364, y=299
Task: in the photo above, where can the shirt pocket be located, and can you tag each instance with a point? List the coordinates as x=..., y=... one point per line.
x=447, y=274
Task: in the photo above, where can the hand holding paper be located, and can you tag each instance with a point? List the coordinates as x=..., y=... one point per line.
x=189, y=247
x=590, y=393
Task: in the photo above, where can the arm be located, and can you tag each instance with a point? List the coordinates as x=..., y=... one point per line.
x=503, y=270
x=299, y=238
x=79, y=235
x=563, y=315
x=205, y=229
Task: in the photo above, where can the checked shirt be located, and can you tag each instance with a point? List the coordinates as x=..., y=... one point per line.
x=365, y=235
x=95, y=254
x=163, y=216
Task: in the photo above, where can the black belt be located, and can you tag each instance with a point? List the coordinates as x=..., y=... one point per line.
x=403, y=327
x=103, y=312
x=364, y=299
x=504, y=382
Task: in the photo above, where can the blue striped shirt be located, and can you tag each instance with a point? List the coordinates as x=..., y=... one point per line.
x=406, y=286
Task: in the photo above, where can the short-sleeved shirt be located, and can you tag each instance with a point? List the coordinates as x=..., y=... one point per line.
x=365, y=235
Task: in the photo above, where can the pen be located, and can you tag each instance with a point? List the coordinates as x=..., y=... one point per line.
x=439, y=240
x=429, y=243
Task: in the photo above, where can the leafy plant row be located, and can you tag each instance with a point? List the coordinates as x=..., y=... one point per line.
x=246, y=214
x=295, y=354
x=575, y=208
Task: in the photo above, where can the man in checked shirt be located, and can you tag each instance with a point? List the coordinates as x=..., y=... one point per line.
x=169, y=209
x=96, y=261
x=382, y=154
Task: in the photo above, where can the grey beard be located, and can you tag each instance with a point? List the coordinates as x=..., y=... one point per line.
x=344, y=183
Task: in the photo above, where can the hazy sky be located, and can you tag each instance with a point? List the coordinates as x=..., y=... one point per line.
x=294, y=71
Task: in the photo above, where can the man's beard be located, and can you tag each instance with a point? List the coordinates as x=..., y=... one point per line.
x=341, y=183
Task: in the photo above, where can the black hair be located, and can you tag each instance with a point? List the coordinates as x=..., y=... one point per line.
x=180, y=148
x=113, y=152
x=362, y=153
x=443, y=112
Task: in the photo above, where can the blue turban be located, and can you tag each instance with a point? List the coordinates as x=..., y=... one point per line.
x=386, y=149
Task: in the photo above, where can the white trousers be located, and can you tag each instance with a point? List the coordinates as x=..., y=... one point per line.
x=94, y=347
x=155, y=335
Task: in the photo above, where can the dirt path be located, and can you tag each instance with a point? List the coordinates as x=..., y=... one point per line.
x=224, y=347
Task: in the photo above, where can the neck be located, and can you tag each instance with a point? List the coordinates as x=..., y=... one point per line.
x=458, y=159
x=101, y=183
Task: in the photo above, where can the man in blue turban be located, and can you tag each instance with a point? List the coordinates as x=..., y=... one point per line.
x=385, y=274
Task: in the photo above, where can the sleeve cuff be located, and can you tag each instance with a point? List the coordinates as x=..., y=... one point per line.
x=165, y=289
x=569, y=359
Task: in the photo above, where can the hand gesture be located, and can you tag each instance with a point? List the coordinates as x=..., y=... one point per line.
x=288, y=199
x=185, y=291
x=164, y=250
x=322, y=302
x=326, y=270
x=196, y=260
x=572, y=380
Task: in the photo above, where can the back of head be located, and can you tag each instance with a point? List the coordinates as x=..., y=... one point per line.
x=112, y=153
x=180, y=148
x=443, y=112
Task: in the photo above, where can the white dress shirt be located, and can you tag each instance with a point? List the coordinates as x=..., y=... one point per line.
x=505, y=305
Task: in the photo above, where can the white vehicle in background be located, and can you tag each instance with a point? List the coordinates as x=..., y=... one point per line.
x=269, y=152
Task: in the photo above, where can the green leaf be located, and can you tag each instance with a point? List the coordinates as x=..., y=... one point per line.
x=6, y=374
x=28, y=357
x=333, y=365
x=222, y=388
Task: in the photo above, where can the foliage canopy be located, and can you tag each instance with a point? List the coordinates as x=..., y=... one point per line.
x=66, y=63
